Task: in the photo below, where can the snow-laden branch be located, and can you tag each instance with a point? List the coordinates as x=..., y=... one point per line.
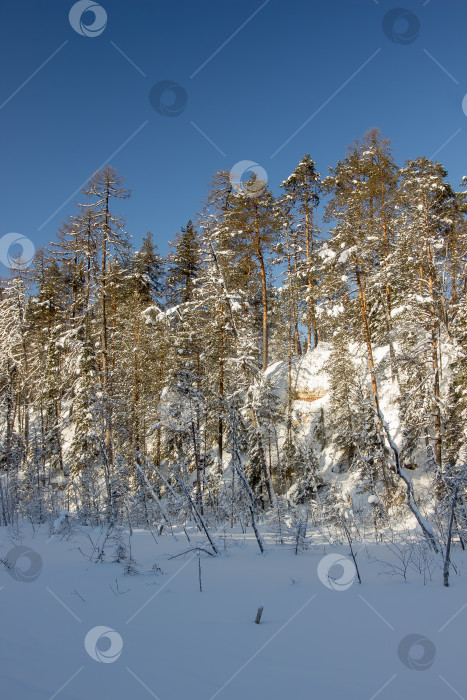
x=424, y=524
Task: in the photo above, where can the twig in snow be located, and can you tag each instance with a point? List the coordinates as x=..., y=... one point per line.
x=194, y=549
x=259, y=614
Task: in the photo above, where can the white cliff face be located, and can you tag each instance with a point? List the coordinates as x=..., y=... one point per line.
x=311, y=418
x=310, y=382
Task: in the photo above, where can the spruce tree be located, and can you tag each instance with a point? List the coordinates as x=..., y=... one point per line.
x=183, y=265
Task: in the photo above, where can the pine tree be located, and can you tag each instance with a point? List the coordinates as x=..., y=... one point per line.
x=302, y=189
x=427, y=201
x=456, y=406
x=355, y=259
x=253, y=225
x=348, y=255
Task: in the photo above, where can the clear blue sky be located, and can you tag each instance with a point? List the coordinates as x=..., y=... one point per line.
x=290, y=61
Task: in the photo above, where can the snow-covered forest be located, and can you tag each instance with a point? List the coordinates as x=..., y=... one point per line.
x=271, y=413
x=298, y=359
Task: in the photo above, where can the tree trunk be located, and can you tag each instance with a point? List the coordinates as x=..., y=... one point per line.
x=435, y=364
x=312, y=326
x=366, y=327
x=220, y=433
x=447, y=559
x=392, y=354
x=265, y=308
x=104, y=338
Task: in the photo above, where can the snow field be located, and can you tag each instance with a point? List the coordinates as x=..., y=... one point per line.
x=314, y=640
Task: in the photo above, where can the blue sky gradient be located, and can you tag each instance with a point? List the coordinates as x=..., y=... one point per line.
x=290, y=61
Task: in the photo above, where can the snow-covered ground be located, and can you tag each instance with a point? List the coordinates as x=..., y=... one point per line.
x=170, y=641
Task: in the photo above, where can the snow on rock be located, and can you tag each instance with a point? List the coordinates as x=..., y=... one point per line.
x=311, y=407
